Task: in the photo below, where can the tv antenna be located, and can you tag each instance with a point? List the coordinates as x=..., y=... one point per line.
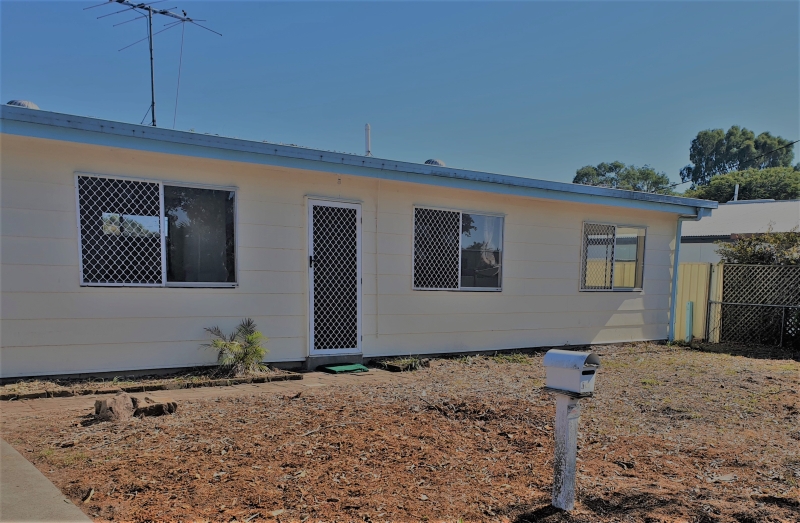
x=146, y=10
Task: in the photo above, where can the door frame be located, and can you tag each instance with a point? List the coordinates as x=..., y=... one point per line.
x=359, y=277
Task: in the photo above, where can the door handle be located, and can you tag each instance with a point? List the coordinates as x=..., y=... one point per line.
x=310, y=261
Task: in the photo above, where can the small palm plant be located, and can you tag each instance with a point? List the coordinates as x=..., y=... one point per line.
x=240, y=352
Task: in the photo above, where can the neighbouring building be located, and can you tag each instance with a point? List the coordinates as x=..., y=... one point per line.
x=121, y=243
x=732, y=219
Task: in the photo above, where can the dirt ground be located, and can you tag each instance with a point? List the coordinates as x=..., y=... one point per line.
x=671, y=435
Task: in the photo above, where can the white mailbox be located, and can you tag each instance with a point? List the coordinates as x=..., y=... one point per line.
x=571, y=372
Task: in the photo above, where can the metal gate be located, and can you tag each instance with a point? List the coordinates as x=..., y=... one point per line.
x=334, y=271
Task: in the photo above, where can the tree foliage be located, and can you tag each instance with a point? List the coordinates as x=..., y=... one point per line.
x=617, y=175
x=770, y=248
x=715, y=152
x=777, y=183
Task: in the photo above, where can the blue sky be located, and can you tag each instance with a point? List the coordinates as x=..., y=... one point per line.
x=533, y=89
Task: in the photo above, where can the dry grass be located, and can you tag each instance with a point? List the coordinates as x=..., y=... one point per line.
x=196, y=375
x=671, y=435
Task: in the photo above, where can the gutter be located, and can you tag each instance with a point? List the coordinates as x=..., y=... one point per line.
x=673, y=307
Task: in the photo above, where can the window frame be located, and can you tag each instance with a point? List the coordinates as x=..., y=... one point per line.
x=225, y=285
x=582, y=265
x=461, y=213
x=162, y=231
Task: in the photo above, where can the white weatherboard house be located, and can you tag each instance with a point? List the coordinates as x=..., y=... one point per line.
x=121, y=242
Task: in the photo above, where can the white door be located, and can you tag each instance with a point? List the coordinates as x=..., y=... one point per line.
x=334, y=277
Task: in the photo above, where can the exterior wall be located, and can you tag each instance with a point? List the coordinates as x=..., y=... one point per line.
x=50, y=324
x=699, y=253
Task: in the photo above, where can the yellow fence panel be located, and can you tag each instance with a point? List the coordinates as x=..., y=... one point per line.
x=625, y=274
x=598, y=274
x=693, y=282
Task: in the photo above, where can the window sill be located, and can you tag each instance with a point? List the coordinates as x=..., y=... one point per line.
x=191, y=285
x=612, y=290
x=160, y=286
x=465, y=289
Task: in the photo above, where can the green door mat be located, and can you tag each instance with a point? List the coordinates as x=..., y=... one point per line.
x=339, y=369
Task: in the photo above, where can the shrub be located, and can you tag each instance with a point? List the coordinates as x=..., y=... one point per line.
x=240, y=352
x=770, y=248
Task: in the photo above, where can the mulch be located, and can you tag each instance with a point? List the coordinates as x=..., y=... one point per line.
x=671, y=435
x=37, y=389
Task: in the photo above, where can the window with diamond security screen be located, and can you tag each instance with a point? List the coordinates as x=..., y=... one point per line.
x=613, y=257
x=122, y=242
x=120, y=231
x=437, y=248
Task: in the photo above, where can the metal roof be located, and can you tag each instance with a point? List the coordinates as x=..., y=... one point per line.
x=57, y=126
x=746, y=217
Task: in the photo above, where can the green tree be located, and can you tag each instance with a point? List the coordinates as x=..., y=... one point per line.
x=777, y=183
x=715, y=151
x=770, y=248
x=617, y=175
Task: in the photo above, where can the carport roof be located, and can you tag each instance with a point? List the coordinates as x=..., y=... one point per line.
x=747, y=217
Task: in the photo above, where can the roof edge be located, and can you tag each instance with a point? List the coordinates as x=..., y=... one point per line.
x=83, y=123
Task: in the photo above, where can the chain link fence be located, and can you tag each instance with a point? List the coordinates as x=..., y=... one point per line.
x=760, y=305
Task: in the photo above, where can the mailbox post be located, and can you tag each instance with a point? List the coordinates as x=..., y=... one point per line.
x=571, y=376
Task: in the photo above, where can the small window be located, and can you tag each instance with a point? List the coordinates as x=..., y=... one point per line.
x=200, y=235
x=613, y=257
x=629, y=258
x=122, y=241
x=456, y=250
x=481, y=238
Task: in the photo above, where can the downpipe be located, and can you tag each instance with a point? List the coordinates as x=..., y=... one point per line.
x=673, y=307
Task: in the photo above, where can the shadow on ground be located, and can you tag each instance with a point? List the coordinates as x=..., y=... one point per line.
x=545, y=514
x=761, y=352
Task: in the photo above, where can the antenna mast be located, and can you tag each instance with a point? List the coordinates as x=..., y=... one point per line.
x=146, y=10
x=152, y=71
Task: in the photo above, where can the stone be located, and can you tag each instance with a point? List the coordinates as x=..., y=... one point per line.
x=117, y=408
x=154, y=406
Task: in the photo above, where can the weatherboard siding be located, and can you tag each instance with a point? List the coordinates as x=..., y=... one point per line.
x=52, y=325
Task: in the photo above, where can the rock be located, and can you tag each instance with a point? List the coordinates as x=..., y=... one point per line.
x=154, y=406
x=721, y=479
x=117, y=408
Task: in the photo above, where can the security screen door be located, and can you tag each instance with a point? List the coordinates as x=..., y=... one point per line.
x=334, y=270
